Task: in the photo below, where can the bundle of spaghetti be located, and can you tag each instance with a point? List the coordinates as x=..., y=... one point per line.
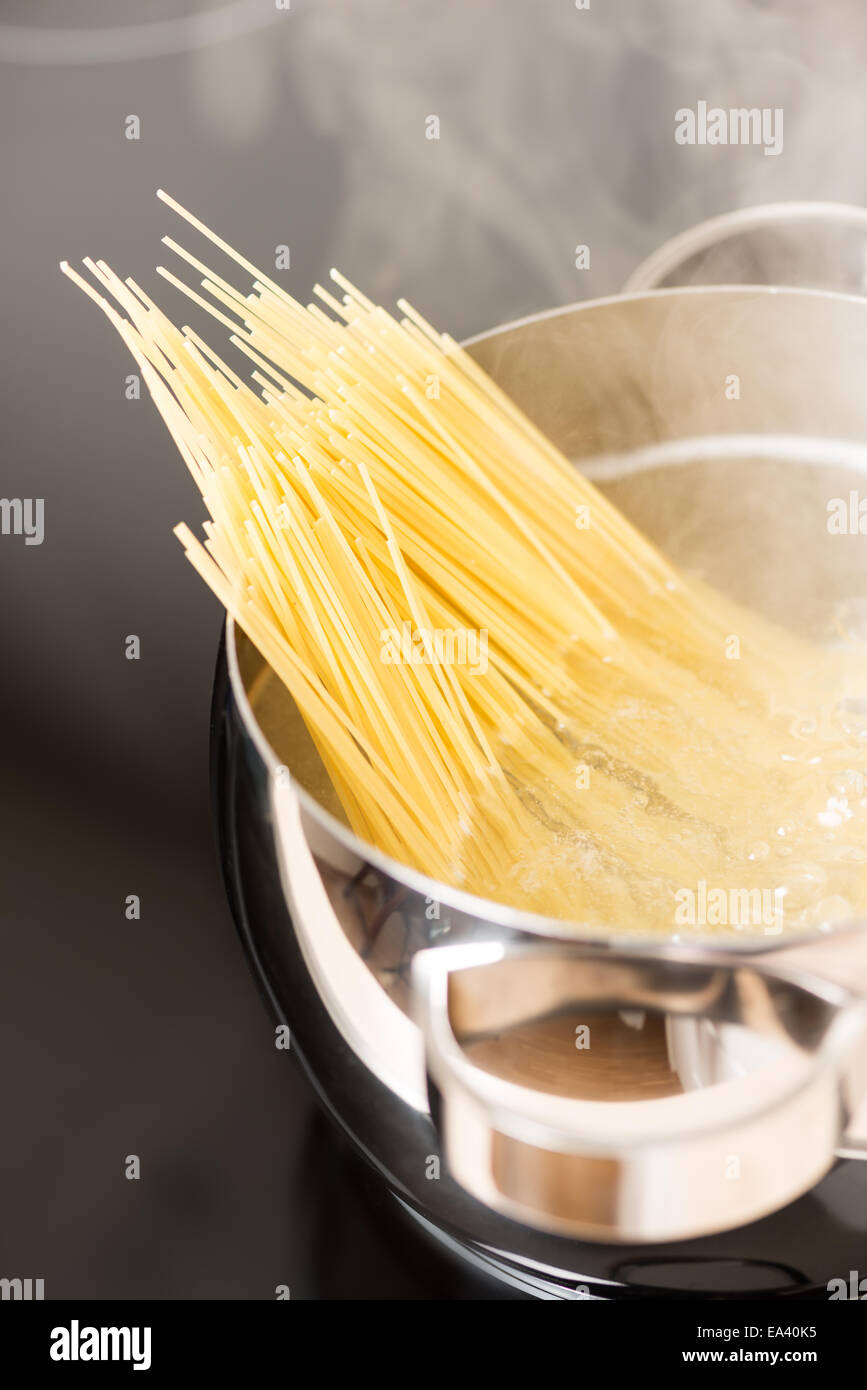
x=375, y=490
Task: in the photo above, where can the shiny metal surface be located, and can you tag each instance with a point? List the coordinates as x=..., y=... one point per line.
x=590, y=1136
x=633, y=389
x=790, y=1253
x=810, y=245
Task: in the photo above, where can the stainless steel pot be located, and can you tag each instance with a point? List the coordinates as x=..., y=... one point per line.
x=722, y=1074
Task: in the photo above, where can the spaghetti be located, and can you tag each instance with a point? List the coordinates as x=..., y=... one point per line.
x=378, y=507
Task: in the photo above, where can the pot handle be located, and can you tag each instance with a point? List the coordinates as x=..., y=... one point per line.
x=655, y=1162
x=840, y=957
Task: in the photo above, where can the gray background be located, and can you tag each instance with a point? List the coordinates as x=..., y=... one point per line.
x=304, y=128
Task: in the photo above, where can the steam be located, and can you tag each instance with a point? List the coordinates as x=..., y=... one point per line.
x=557, y=129
x=97, y=39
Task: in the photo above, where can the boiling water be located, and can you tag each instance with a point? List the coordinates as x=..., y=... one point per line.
x=783, y=539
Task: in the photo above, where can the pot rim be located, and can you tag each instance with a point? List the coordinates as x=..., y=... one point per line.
x=703, y=235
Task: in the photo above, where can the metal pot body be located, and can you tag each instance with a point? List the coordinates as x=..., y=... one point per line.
x=414, y=977
x=791, y=1253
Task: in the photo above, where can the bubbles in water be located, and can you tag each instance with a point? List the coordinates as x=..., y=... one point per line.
x=851, y=716
x=803, y=727
x=846, y=784
x=833, y=909
x=758, y=851
x=801, y=885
